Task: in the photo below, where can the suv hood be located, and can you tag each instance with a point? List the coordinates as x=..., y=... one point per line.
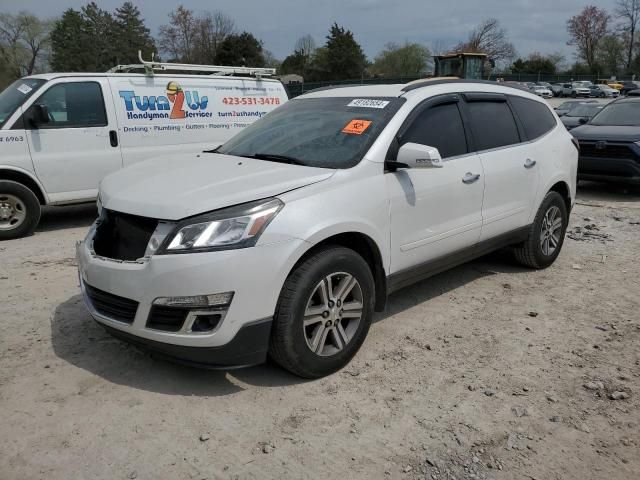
x=179, y=186
x=613, y=133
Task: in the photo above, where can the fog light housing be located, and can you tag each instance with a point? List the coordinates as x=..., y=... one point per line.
x=215, y=300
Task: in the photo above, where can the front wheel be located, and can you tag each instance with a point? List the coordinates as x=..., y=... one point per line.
x=19, y=210
x=546, y=234
x=323, y=314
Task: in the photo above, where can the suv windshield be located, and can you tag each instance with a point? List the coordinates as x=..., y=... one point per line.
x=329, y=132
x=619, y=114
x=15, y=94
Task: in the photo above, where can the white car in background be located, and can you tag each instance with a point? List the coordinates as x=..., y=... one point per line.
x=286, y=239
x=542, y=91
x=579, y=89
x=604, y=91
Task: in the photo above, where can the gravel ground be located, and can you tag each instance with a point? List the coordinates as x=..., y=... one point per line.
x=486, y=371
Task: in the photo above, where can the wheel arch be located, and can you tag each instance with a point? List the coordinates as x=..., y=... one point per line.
x=562, y=188
x=364, y=246
x=26, y=179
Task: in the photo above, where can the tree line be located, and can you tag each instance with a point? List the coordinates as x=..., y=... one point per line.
x=93, y=39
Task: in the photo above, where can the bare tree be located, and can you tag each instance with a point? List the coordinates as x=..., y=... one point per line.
x=489, y=37
x=212, y=29
x=24, y=39
x=306, y=45
x=629, y=11
x=586, y=31
x=178, y=37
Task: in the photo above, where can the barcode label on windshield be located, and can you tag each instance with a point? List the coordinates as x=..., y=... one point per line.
x=368, y=103
x=24, y=88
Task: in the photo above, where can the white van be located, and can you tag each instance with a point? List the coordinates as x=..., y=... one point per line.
x=61, y=133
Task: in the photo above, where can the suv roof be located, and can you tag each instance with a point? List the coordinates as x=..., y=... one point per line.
x=398, y=90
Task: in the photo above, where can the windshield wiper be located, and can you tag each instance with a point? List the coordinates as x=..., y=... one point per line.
x=272, y=157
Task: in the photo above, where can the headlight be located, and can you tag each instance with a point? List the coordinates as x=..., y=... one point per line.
x=230, y=228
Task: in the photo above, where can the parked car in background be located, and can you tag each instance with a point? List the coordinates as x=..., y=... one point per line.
x=579, y=89
x=634, y=93
x=274, y=244
x=557, y=89
x=603, y=91
x=542, y=91
x=580, y=115
x=544, y=84
x=61, y=133
x=609, y=143
x=612, y=83
x=627, y=86
x=565, y=107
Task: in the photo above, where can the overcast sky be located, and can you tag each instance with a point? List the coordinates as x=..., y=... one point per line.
x=538, y=25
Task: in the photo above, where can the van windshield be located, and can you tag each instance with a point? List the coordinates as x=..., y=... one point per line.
x=329, y=132
x=15, y=94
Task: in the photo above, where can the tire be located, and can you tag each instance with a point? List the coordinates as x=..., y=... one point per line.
x=531, y=253
x=19, y=210
x=574, y=95
x=301, y=297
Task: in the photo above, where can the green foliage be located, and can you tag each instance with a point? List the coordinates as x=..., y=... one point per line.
x=94, y=40
x=536, y=63
x=410, y=59
x=344, y=56
x=131, y=34
x=241, y=50
x=24, y=42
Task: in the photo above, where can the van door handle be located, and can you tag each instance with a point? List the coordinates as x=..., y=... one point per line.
x=529, y=163
x=113, y=138
x=470, y=178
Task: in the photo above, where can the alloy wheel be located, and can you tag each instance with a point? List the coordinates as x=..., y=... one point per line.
x=333, y=314
x=551, y=230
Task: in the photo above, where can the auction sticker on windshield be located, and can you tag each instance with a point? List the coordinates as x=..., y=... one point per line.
x=356, y=127
x=368, y=103
x=24, y=88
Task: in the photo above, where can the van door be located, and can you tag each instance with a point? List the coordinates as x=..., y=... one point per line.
x=79, y=144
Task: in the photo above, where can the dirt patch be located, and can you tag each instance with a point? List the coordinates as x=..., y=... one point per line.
x=487, y=371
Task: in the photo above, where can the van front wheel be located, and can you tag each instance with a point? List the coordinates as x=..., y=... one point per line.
x=19, y=210
x=324, y=313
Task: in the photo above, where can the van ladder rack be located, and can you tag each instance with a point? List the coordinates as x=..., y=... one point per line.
x=152, y=66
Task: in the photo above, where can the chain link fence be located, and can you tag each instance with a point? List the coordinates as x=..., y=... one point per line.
x=296, y=89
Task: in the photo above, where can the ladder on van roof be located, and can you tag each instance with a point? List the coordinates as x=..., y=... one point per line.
x=152, y=66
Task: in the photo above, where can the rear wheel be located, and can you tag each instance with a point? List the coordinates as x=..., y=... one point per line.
x=19, y=210
x=546, y=234
x=323, y=314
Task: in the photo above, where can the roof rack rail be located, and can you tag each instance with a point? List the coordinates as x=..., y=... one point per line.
x=151, y=66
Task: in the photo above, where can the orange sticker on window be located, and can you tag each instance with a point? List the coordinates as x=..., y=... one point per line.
x=357, y=127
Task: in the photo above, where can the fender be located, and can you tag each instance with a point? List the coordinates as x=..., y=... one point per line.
x=25, y=173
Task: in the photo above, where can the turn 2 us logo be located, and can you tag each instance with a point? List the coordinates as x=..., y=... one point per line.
x=176, y=103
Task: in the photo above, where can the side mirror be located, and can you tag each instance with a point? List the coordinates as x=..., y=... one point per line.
x=39, y=115
x=583, y=120
x=415, y=155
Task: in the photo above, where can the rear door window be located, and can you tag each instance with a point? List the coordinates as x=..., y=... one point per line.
x=441, y=127
x=536, y=118
x=493, y=124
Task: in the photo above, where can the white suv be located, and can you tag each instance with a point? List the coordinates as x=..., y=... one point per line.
x=288, y=238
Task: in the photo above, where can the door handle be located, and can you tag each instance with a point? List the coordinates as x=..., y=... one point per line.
x=113, y=138
x=470, y=178
x=529, y=163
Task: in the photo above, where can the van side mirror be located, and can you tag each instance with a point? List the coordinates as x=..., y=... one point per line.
x=583, y=120
x=39, y=115
x=415, y=155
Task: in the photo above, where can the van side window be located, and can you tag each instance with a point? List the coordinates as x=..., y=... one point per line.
x=74, y=105
x=536, y=118
x=493, y=124
x=440, y=127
